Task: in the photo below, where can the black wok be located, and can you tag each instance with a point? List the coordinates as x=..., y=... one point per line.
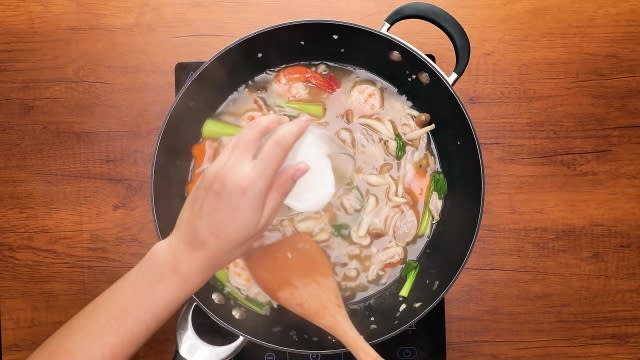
x=444, y=255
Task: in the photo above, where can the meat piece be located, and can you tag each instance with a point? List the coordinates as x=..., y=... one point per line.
x=405, y=227
x=366, y=97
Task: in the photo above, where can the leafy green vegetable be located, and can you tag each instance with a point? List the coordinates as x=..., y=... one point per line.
x=222, y=279
x=222, y=276
x=426, y=221
x=439, y=186
x=401, y=147
x=315, y=109
x=213, y=128
x=341, y=230
x=409, y=272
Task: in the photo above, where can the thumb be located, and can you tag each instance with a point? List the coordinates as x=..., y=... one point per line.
x=281, y=187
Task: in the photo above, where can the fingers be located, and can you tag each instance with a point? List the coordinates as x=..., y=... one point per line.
x=243, y=146
x=281, y=187
x=248, y=141
x=278, y=146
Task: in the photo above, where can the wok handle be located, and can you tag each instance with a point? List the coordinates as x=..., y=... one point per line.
x=445, y=22
x=192, y=347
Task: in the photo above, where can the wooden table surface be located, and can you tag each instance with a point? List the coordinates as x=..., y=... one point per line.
x=552, y=89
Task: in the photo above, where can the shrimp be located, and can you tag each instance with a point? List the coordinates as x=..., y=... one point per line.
x=241, y=279
x=366, y=97
x=292, y=82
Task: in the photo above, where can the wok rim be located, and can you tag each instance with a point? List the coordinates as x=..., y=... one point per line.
x=399, y=42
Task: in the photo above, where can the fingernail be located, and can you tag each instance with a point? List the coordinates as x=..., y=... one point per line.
x=283, y=120
x=305, y=118
x=300, y=170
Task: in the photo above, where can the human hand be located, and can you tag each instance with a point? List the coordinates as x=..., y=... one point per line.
x=238, y=195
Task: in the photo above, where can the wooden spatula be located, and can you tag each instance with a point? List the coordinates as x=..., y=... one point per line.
x=297, y=274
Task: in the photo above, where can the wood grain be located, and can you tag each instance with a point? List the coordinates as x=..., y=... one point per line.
x=552, y=88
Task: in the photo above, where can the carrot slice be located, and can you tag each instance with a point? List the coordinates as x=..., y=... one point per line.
x=393, y=264
x=419, y=185
x=198, y=150
x=194, y=180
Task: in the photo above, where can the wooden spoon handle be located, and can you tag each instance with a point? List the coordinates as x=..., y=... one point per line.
x=359, y=347
x=363, y=351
